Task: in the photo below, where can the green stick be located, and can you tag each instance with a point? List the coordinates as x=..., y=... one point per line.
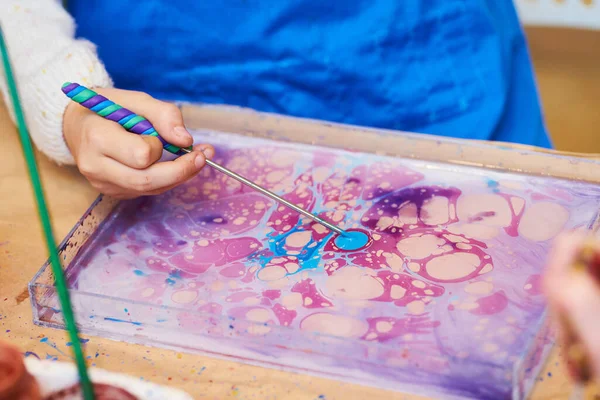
x=61, y=285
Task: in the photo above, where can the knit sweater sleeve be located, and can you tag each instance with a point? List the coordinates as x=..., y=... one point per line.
x=44, y=54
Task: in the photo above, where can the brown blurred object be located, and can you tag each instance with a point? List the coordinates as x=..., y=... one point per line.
x=578, y=362
x=567, y=67
x=101, y=392
x=15, y=382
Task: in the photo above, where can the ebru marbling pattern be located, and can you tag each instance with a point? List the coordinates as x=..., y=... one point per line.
x=447, y=293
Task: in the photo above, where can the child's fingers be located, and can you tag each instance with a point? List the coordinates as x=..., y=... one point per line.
x=563, y=254
x=167, y=188
x=165, y=117
x=206, y=149
x=135, y=151
x=574, y=296
x=175, y=172
x=157, y=177
x=580, y=302
x=561, y=257
x=558, y=272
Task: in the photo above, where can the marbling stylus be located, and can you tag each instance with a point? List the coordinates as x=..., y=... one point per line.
x=137, y=124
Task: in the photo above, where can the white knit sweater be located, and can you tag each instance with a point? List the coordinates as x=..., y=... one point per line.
x=44, y=54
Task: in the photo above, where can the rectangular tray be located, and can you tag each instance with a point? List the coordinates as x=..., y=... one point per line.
x=445, y=302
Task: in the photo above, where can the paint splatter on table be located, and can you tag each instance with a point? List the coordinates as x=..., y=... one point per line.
x=447, y=293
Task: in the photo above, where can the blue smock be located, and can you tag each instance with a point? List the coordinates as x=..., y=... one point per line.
x=456, y=68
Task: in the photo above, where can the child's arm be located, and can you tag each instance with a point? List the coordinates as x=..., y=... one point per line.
x=44, y=55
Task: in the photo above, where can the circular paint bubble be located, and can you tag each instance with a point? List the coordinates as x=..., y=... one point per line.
x=352, y=240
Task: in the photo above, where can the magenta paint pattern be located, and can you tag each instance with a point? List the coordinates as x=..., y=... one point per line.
x=446, y=296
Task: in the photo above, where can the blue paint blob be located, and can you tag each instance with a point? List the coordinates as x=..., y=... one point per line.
x=307, y=257
x=31, y=354
x=352, y=240
x=492, y=183
x=120, y=320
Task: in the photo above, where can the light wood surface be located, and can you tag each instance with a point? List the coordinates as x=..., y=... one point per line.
x=567, y=66
x=22, y=252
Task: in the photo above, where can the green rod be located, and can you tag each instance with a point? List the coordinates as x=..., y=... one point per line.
x=61, y=285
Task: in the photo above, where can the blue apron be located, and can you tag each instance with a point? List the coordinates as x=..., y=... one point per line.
x=447, y=67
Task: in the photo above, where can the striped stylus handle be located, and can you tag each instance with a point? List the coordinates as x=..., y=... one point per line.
x=114, y=112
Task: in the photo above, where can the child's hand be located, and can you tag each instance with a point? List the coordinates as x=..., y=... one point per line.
x=575, y=296
x=122, y=164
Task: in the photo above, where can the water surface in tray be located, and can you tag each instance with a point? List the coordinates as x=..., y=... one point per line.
x=452, y=274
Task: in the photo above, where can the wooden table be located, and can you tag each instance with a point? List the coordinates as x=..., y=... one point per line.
x=22, y=252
